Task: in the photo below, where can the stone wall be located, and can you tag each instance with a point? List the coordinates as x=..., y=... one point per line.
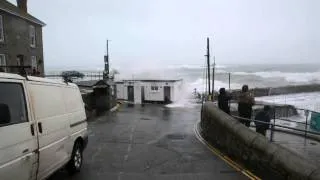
x=258, y=92
x=277, y=110
x=251, y=148
x=17, y=42
x=93, y=102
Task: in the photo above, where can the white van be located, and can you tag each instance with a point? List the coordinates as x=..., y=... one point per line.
x=43, y=127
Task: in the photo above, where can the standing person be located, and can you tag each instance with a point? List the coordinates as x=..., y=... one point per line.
x=245, y=103
x=223, y=100
x=34, y=72
x=263, y=116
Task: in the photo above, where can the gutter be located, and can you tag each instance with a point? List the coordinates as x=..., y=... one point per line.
x=23, y=17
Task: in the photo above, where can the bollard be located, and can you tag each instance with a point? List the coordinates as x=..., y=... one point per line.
x=273, y=125
x=271, y=133
x=306, y=113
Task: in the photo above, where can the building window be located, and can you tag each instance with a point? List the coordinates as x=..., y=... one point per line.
x=154, y=88
x=32, y=31
x=3, y=63
x=1, y=29
x=20, y=61
x=33, y=62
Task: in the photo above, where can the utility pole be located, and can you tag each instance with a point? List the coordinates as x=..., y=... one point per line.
x=213, y=69
x=208, y=64
x=106, y=63
x=229, y=81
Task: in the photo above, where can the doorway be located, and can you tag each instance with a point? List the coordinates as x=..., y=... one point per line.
x=142, y=94
x=130, y=94
x=167, y=94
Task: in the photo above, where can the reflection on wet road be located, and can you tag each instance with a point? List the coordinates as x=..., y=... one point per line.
x=150, y=142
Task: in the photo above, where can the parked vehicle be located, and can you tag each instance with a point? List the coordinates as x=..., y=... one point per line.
x=43, y=127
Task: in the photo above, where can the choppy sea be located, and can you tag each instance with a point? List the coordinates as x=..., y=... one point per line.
x=194, y=77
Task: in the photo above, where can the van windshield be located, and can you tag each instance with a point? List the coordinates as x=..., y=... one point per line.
x=12, y=104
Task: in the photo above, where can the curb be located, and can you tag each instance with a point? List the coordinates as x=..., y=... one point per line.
x=222, y=156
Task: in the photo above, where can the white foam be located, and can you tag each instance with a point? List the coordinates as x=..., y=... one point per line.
x=200, y=85
x=186, y=104
x=195, y=66
x=186, y=99
x=290, y=77
x=309, y=101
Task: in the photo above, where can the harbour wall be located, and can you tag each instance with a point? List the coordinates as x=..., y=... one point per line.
x=251, y=148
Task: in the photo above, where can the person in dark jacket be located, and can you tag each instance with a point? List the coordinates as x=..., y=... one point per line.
x=223, y=100
x=245, y=103
x=263, y=116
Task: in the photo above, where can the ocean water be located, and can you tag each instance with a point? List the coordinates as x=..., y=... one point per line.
x=194, y=77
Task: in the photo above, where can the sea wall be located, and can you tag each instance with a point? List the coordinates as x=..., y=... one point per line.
x=258, y=92
x=277, y=110
x=251, y=148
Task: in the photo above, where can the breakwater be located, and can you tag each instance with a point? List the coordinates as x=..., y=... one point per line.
x=251, y=148
x=269, y=91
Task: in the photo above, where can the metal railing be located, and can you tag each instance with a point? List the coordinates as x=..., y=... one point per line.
x=272, y=124
x=87, y=76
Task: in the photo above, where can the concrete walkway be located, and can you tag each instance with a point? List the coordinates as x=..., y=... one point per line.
x=151, y=142
x=307, y=148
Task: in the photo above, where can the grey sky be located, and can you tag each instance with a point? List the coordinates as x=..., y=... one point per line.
x=165, y=32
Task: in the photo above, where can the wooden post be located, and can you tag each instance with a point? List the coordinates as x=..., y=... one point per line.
x=208, y=64
x=306, y=113
x=229, y=81
x=213, y=69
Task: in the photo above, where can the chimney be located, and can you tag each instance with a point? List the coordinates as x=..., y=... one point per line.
x=22, y=5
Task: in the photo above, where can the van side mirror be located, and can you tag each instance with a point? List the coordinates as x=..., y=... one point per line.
x=5, y=116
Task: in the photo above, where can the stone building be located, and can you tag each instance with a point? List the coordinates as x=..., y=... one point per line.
x=20, y=39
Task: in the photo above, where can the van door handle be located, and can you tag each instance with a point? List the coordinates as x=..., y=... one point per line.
x=40, y=127
x=32, y=129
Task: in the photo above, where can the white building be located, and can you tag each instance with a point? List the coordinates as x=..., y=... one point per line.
x=140, y=91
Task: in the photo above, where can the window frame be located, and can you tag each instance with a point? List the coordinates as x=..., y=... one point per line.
x=5, y=62
x=25, y=104
x=18, y=61
x=154, y=88
x=32, y=35
x=36, y=63
x=1, y=29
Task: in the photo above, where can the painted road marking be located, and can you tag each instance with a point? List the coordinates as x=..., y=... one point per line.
x=225, y=158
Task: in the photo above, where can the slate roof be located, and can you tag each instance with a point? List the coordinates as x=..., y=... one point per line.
x=14, y=10
x=93, y=83
x=154, y=80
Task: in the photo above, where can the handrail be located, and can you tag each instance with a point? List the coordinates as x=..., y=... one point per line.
x=276, y=125
x=273, y=105
x=288, y=120
x=301, y=109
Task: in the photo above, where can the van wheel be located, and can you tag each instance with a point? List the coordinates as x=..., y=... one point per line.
x=75, y=162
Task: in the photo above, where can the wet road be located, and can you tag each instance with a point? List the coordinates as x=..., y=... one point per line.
x=151, y=142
